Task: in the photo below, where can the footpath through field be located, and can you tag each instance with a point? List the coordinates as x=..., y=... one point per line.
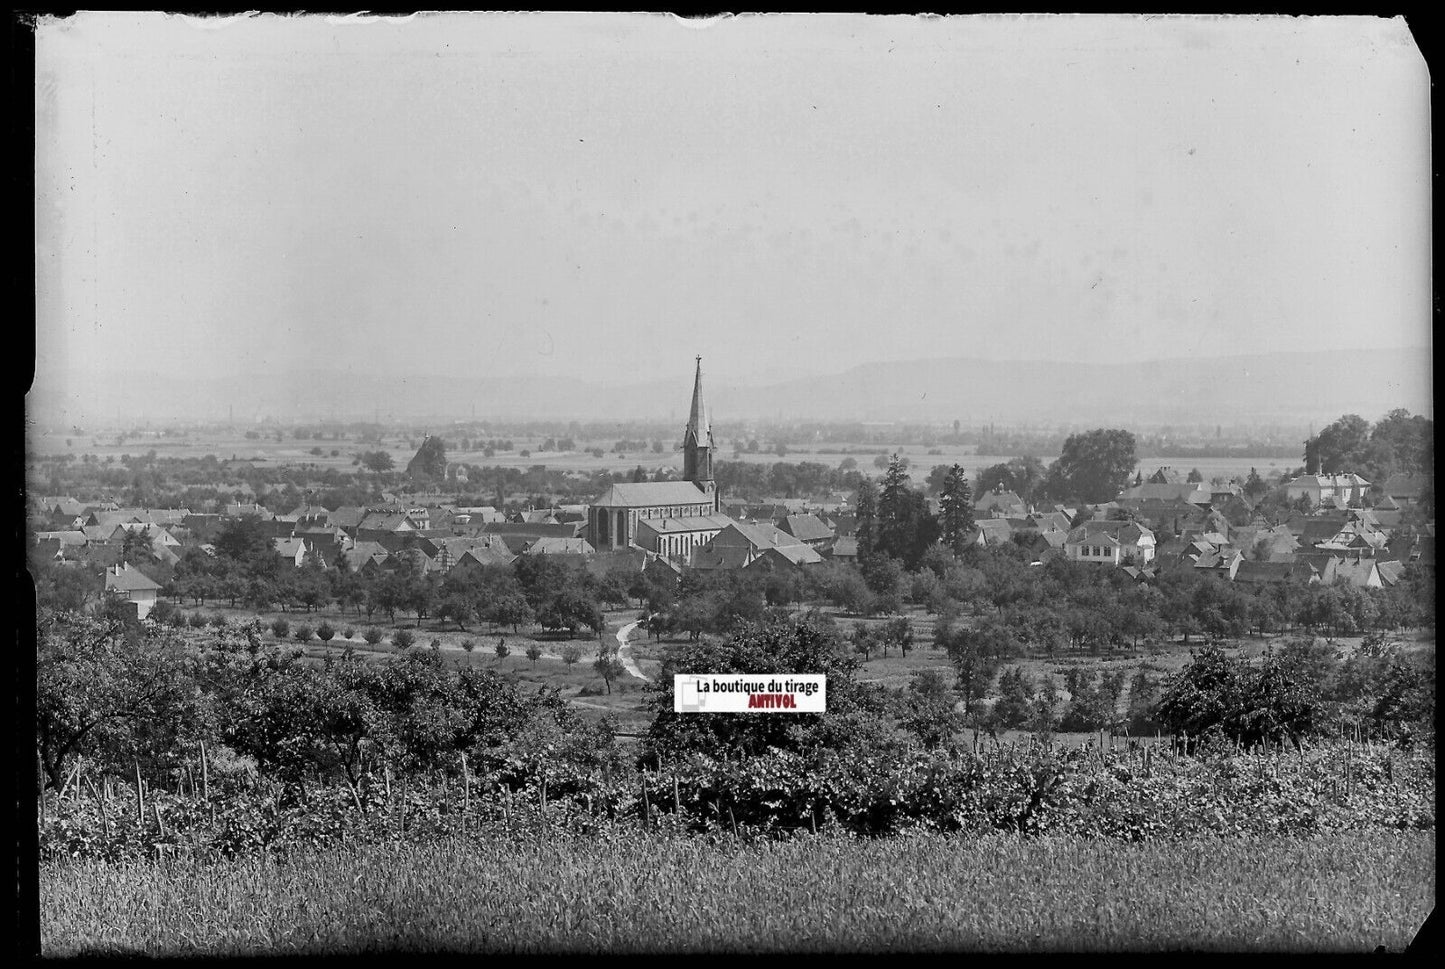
x=628, y=663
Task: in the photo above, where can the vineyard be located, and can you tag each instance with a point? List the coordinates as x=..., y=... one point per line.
x=1132, y=793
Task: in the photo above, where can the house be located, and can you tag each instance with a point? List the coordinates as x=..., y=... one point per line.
x=999, y=504
x=741, y=542
x=1111, y=543
x=1263, y=573
x=133, y=585
x=551, y=545
x=1390, y=571
x=1181, y=492
x=1347, y=488
x=1406, y=489
x=243, y=509
x=990, y=532
x=1362, y=573
x=844, y=548
x=298, y=550
x=479, y=556
x=808, y=529
x=1223, y=563
x=365, y=556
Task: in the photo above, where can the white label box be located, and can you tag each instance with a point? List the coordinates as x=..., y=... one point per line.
x=749, y=693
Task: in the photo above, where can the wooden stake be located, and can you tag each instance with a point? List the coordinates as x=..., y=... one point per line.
x=466, y=792
x=140, y=807
x=676, y=797
x=160, y=825
x=646, y=808
x=104, y=814
x=205, y=775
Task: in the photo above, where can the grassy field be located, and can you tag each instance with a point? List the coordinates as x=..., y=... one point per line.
x=658, y=892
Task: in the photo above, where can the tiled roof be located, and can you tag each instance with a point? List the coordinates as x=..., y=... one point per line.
x=644, y=494
x=127, y=578
x=806, y=528
x=691, y=523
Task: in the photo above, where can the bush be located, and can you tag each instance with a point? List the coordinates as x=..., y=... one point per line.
x=325, y=633
x=280, y=628
x=436, y=643
x=372, y=636
x=302, y=633
x=401, y=639
x=218, y=621
x=349, y=632
x=469, y=645
x=196, y=620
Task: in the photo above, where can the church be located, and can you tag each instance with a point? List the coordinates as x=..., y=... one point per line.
x=670, y=518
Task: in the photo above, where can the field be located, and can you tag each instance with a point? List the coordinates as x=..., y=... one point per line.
x=298, y=452
x=546, y=891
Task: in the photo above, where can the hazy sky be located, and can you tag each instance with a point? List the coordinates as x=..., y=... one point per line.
x=613, y=194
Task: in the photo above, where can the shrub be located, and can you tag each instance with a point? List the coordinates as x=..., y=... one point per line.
x=372, y=636
x=280, y=628
x=469, y=645
x=218, y=621
x=349, y=632
x=534, y=653
x=571, y=653
x=196, y=620
x=325, y=633
x=502, y=649
x=402, y=638
x=302, y=633
x=436, y=643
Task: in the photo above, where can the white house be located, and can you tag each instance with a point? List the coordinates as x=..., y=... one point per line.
x=1110, y=543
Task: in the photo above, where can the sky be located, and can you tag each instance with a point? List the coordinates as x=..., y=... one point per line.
x=609, y=195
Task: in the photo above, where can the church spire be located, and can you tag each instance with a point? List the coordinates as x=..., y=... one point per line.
x=697, y=442
x=698, y=423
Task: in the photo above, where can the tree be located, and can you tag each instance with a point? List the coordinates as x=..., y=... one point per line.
x=377, y=462
x=1094, y=466
x=608, y=667
x=866, y=521
x=571, y=653
x=1194, y=477
x=976, y=653
x=502, y=650
x=853, y=718
x=928, y=708
x=243, y=540
x=1254, y=485
x=904, y=528
x=107, y=690
x=955, y=510
x=1015, y=704
x=1340, y=447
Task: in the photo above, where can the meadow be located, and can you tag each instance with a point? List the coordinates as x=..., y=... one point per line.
x=550, y=891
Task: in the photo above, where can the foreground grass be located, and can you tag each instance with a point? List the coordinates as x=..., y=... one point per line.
x=635, y=891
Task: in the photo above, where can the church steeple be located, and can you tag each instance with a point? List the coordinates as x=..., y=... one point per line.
x=697, y=442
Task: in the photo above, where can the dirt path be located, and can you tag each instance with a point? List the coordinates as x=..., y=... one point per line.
x=628, y=663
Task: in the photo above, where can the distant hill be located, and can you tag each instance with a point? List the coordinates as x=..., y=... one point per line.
x=1315, y=386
